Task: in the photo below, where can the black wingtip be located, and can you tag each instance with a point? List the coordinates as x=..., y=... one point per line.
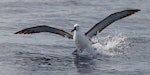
x=135, y=10
x=23, y=32
x=132, y=11
x=17, y=32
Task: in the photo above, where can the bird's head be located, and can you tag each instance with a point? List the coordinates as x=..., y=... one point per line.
x=76, y=27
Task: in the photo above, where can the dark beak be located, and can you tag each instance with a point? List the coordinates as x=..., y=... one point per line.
x=73, y=29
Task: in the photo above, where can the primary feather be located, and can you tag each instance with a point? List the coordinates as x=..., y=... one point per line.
x=39, y=29
x=109, y=20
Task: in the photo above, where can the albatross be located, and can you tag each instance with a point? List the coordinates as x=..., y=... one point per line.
x=82, y=40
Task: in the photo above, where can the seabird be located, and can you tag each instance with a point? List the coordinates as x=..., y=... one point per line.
x=82, y=40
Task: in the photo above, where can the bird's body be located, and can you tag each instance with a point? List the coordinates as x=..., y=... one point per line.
x=82, y=42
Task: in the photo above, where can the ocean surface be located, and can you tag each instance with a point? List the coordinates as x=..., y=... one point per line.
x=124, y=45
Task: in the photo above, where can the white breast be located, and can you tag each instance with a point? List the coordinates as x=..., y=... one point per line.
x=81, y=41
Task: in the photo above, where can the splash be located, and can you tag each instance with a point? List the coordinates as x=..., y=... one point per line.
x=111, y=45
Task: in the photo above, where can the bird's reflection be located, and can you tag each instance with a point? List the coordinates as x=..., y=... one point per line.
x=84, y=64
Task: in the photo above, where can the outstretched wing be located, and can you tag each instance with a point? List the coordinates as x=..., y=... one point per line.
x=39, y=29
x=108, y=20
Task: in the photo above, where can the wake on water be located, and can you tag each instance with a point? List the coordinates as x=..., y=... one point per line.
x=110, y=45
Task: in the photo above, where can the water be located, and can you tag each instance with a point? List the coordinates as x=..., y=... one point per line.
x=124, y=45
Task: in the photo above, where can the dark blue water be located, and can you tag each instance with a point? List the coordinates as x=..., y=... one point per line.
x=124, y=44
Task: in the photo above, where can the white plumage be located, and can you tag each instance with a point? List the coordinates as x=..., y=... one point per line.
x=82, y=42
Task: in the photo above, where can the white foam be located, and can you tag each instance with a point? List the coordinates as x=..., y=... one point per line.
x=110, y=45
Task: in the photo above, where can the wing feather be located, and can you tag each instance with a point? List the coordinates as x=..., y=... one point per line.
x=43, y=28
x=109, y=20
